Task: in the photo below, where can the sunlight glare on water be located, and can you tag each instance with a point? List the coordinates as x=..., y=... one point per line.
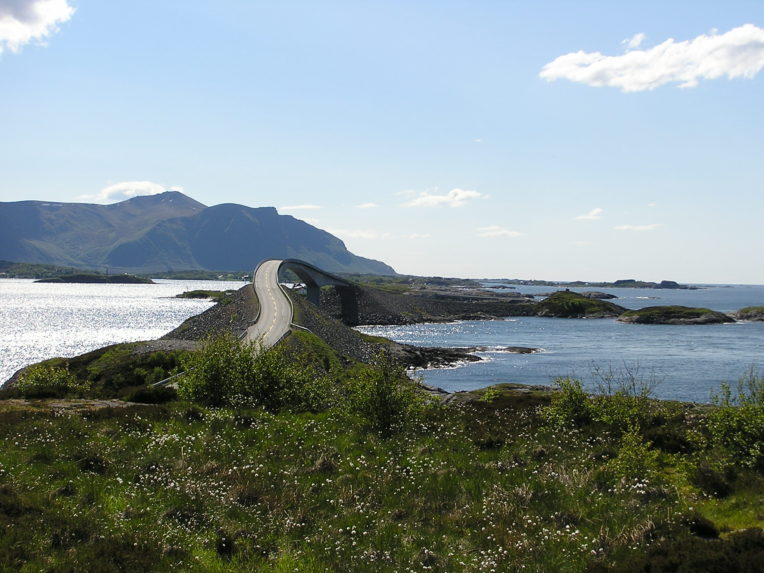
x=46, y=320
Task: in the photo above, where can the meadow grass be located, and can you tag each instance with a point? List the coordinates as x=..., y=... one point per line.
x=509, y=482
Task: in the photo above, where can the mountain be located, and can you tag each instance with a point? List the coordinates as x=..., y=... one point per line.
x=166, y=232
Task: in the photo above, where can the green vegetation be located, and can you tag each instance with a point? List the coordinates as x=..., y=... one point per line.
x=750, y=313
x=674, y=315
x=568, y=304
x=113, y=371
x=46, y=381
x=367, y=475
x=228, y=372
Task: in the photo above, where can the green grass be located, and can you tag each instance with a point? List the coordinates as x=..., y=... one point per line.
x=486, y=485
x=117, y=370
x=346, y=467
x=752, y=309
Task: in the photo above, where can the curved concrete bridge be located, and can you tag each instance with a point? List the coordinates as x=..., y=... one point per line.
x=275, y=318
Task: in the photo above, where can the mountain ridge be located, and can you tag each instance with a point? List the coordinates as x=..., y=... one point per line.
x=167, y=232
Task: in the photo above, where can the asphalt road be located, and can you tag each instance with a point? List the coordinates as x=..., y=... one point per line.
x=275, y=309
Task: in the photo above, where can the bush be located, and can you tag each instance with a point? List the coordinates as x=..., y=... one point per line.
x=636, y=460
x=385, y=397
x=623, y=396
x=44, y=381
x=570, y=405
x=736, y=425
x=229, y=372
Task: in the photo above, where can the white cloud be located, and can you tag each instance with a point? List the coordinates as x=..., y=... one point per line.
x=300, y=208
x=496, y=231
x=454, y=198
x=652, y=204
x=635, y=41
x=592, y=215
x=25, y=21
x=650, y=227
x=738, y=53
x=126, y=190
x=367, y=206
x=419, y=236
x=358, y=234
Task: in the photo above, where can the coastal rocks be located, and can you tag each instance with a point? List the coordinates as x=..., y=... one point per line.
x=505, y=349
x=568, y=304
x=752, y=313
x=432, y=357
x=598, y=295
x=437, y=357
x=234, y=314
x=674, y=315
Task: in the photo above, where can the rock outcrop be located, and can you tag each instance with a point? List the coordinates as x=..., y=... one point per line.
x=674, y=315
x=752, y=313
x=568, y=304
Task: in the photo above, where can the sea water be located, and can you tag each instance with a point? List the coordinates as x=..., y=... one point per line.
x=44, y=320
x=41, y=321
x=683, y=362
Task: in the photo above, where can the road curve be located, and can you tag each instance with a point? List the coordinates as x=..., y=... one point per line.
x=275, y=316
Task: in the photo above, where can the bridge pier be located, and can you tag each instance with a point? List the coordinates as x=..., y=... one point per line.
x=314, y=278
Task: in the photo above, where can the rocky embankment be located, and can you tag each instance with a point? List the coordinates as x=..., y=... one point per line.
x=381, y=307
x=353, y=344
x=236, y=311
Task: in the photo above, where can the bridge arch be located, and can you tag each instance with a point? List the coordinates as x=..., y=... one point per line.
x=315, y=278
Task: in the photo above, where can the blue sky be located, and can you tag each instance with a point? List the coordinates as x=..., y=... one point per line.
x=549, y=140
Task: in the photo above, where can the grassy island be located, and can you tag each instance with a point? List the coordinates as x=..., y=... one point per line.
x=674, y=315
x=569, y=304
x=750, y=313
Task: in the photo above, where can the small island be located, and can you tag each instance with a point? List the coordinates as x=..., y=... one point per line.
x=674, y=315
x=752, y=313
x=569, y=304
x=92, y=278
x=221, y=296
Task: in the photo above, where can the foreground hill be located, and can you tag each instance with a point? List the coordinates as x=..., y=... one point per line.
x=166, y=232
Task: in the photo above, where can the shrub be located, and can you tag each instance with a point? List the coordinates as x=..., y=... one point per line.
x=385, y=397
x=570, y=405
x=229, y=372
x=623, y=396
x=736, y=425
x=636, y=460
x=45, y=381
